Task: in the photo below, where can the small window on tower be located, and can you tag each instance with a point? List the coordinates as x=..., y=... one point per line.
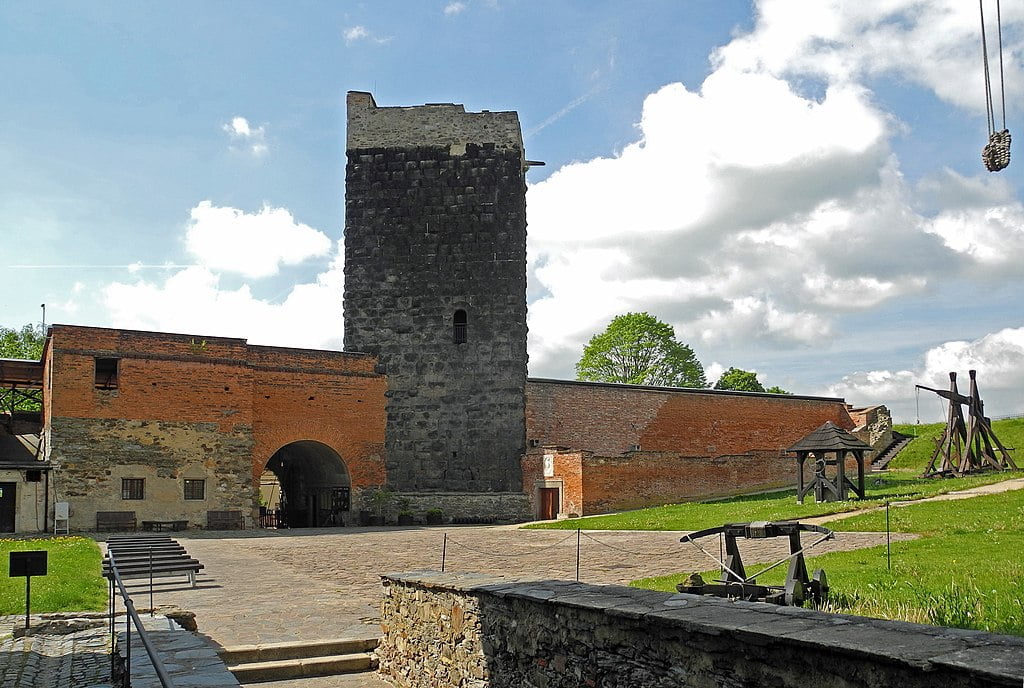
x=459, y=327
x=106, y=373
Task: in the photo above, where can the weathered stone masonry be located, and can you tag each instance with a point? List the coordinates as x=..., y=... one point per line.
x=435, y=235
x=471, y=631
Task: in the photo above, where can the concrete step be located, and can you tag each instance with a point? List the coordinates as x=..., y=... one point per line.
x=283, y=669
x=266, y=652
x=283, y=661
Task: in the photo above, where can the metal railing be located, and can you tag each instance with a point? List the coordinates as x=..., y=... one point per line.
x=132, y=617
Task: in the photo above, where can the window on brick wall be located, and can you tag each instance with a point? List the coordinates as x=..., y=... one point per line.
x=106, y=373
x=459, y=327
x=133, y=488
x=195, y=489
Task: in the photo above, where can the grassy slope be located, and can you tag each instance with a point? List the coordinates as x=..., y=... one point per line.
x=901, y=482
x=968, y=570
x=72, y=583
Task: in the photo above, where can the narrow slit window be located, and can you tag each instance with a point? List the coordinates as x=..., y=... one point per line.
x=133, y=488
x=459, y=326
x=106, y=373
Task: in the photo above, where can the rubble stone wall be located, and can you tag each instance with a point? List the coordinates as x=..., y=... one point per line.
x=471, y=631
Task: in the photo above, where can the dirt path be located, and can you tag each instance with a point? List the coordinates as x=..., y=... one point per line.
x=993, y=488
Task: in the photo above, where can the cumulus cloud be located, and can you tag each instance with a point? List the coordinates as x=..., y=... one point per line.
x=251, y=244
x=998, y=357
x=761, y=232
x=308, y=317
x=453, y=8
x=246, y=136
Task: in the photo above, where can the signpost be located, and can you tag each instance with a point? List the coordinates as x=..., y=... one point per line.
x=28, y=564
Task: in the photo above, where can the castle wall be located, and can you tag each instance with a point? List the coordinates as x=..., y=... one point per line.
x=191, y=408
x=435, y=225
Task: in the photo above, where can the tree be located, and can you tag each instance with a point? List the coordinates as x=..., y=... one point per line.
x=24, y=343
x=739, y=380
x=639, y=349
x=744, y=381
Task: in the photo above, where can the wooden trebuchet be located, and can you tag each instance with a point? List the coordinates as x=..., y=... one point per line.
x=966, y=445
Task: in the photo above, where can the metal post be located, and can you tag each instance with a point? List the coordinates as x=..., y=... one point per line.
x=113, y=633
x=444, y=551
x=888, y=547
x=151, y=581
x=127, y=644
x=28, y=597
x=578, y=555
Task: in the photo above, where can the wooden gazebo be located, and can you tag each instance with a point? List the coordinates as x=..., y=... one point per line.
x=829, y=445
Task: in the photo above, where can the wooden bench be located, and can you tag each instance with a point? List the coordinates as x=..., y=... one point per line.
x=149, y=555
x=115, y=520
x=142, y=569
x=224, y=520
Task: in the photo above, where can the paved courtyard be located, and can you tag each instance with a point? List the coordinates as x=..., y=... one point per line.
x=276, y=586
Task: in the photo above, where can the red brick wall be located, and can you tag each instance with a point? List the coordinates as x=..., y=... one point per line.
x=284, y=395
x=610, y=419
x=645, y=479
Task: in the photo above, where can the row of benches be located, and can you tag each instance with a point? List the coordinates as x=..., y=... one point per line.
x=126, y=520
x=142, y=556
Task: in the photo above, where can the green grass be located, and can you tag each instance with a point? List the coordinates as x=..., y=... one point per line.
x=967, y=571
x=72, y=583
x=916, y=455
x=774, y=506
x=901, y=482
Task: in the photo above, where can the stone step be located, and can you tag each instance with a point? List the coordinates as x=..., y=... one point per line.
x=266, y=652
x=284, y=669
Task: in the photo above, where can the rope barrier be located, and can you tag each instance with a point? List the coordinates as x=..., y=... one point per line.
x=500, y=555
x=672, y=552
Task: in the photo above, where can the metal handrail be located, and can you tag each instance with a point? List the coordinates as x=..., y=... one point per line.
x=158, y=665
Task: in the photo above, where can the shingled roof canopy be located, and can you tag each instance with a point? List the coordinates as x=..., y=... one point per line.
x=829, y=437
x=825, y=440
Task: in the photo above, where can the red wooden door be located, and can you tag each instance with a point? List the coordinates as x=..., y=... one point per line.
x=548, y=503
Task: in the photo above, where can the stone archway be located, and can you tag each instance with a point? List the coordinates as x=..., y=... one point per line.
x=314, y=484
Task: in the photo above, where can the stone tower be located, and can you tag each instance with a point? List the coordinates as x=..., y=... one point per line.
x=435, y=286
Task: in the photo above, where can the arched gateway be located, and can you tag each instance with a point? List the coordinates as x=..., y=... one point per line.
x=315, y=484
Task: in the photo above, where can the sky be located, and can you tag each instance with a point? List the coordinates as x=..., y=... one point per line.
x=794, y=185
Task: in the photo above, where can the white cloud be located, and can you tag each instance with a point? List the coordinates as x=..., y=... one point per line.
x=309, y=316
x=756, y=210
x=453, y=8
x=251, y=244
x=252, y=139
x=359, y=33
x=998, y=357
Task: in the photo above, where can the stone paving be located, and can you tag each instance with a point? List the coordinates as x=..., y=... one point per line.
x=77, y=659
x=277, y=586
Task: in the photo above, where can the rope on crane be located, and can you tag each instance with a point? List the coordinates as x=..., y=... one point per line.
x=996, y=154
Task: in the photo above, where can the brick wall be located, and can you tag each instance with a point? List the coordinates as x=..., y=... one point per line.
x=190, y=407
x=612, y=419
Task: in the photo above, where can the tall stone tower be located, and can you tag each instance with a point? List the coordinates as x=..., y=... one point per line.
x=435, y=286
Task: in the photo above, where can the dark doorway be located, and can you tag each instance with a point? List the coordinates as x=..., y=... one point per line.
x=8, y=506
x=548, y=503
x=314, y=485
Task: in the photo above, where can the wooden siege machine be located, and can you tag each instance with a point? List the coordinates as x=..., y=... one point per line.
x=966, y=445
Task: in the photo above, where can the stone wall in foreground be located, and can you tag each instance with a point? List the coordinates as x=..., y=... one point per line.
x=470, y=630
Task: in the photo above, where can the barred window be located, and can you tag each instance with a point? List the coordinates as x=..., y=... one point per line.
x=195, y=489
x=459, y=327
x=133, y=488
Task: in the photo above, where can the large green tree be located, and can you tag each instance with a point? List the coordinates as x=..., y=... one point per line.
x=24, y=343
x=639, y=349
x=744, y=381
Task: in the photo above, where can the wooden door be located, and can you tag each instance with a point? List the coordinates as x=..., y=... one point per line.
x=8, y=503
x=548, y=503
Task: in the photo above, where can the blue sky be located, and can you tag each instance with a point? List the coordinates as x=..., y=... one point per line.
x=794, y=185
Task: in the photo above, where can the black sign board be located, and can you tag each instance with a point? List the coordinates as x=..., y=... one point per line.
x=32, y=563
